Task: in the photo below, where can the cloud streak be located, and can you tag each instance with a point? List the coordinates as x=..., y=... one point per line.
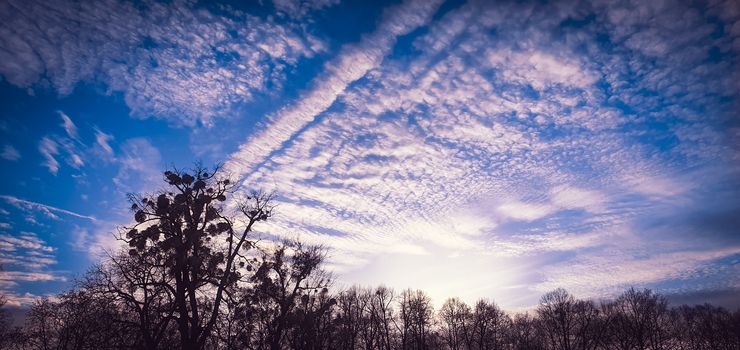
x=48, y=209
x=351, y=64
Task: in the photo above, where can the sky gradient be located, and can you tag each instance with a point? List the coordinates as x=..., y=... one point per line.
x=473, y=149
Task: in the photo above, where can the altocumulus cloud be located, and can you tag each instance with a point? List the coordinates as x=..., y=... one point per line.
x=555, y=132
x=504, y=148
x=25, y=258
x=170, y=61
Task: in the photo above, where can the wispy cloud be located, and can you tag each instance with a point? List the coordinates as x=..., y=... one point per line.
x=69, y=126
x=11, y=278
x=608, y=273
x=525, y=211
x=301, y=8
x=10, y=153
x=47, y=209
x=140, y=166
x=50, y=144
x=25, y=240
x=103, y=140
x=73, y=146
x=25, y=299
x=25, y=258
x=49, y=150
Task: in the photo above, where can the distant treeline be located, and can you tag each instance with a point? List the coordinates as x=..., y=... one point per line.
x=380, y=318
x=193, y=277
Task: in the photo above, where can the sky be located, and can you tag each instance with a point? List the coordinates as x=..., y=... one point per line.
x=482, y=149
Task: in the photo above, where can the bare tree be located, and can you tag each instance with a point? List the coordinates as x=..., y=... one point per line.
x=139, y=286
x=287, y=276
x=638, y=320
x=557, y=318
x=589, y=327
x=704, y=327
x=4, y=320
x=415, y=319
x=350, y=307
x=525, y=333
x=77, y=320
x=455, y=324
x=489, y=325
x=287, y=304
x=383, y=316
x=365, y=318
x=42, y=328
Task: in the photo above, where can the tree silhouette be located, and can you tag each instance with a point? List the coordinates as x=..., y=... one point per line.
x=85, y=319
x=415, y=319
x=489, y=325
x=200, y=248
x=286, y=282
x=4, y=320
x=140, y=287
x=703, y=327
x=351, y=306
x=639, y=320
x=526, y=334
x=455, y=324
x=558, y=319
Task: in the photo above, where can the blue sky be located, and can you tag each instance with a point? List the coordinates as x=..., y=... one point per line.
x=471, y=149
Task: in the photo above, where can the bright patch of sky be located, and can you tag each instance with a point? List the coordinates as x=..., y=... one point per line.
x=471, y=149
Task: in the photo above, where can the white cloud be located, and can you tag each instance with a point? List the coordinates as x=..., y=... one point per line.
x=352, y=63
x=103, y=140
x=612, y=271
x=10, y=153
x=171, y=61
x=25, y=240
x=71, y=144
x=69, y=126
x=568, y=197
x=561, y=197
x=25, y=299
x=140, y=166
x=468, y=146
x=76, y=161
x=541, y=69
x=11, y=278
x=25, y=258
x=661, y=186
x=301, y=8
x=49, y=149
x=46, y=209
x=524, y=211
x=96, y=241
